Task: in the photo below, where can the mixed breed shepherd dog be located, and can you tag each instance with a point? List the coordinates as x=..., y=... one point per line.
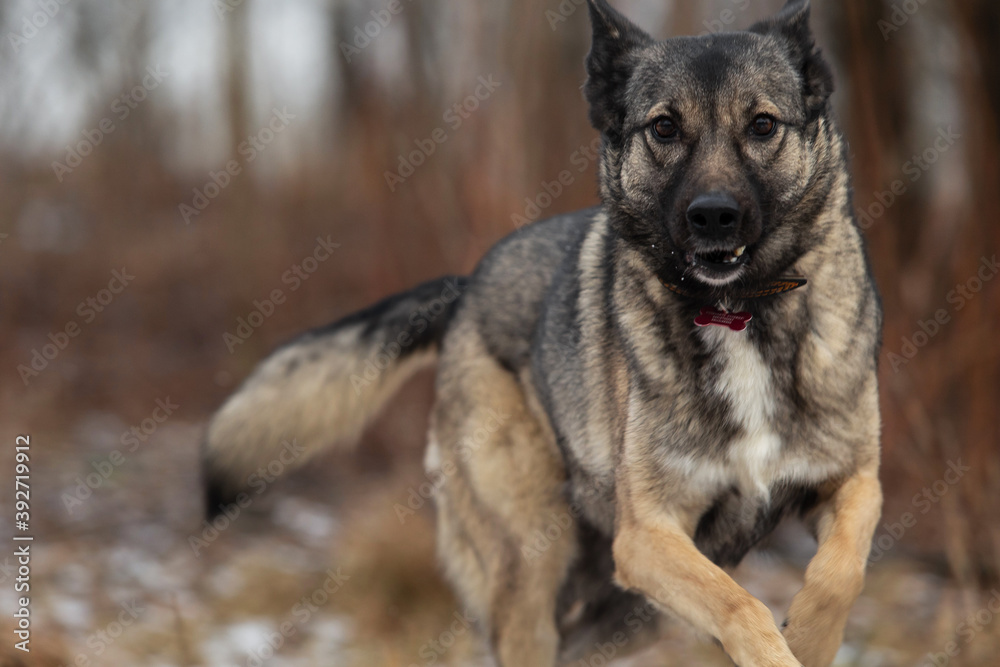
x=677, y=369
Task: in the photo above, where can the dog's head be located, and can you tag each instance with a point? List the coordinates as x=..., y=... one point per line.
x=717, y=149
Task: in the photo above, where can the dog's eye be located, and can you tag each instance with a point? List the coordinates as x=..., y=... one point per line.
x=763, y=125
x=664, y=129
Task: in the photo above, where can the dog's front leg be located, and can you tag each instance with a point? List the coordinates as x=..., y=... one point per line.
x=835, y=577
x=657, y=558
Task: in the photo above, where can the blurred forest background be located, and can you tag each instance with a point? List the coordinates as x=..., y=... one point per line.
x=205, y=149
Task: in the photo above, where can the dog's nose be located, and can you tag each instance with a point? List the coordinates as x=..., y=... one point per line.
x=714, y=215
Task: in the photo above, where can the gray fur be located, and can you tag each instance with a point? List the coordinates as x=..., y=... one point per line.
x=619, y=419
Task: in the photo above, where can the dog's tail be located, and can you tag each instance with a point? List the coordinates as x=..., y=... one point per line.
x=322, y=388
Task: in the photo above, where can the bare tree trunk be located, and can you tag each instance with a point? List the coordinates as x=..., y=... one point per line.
x=978, y=389
x=237, y=58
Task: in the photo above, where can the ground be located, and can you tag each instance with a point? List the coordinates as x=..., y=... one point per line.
x=323, y=569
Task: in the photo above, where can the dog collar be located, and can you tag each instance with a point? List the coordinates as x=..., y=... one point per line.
x=722, y=317
x=770, y=289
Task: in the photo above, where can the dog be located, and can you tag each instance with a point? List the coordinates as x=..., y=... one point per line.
x=651, y=384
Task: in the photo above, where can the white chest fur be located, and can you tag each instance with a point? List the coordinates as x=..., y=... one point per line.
x=745, y=383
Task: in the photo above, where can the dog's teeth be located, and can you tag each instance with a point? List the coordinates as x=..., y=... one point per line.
x=739, y=251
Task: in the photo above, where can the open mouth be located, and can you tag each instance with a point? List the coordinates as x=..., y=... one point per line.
x=718, y=259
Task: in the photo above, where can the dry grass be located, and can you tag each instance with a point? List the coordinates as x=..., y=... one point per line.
x=163, y=337
x=215, y=609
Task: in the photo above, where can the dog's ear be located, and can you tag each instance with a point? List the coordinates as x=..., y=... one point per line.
x=792, y=25
x=610, y=64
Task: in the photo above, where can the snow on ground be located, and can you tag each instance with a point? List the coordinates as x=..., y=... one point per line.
x=321, y=572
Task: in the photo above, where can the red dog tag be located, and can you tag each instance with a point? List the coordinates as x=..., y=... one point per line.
x=715, y=317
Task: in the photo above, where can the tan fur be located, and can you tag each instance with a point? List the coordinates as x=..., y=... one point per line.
x=835, y=577
x=657, y=557
x=592, y=448
x=315, y=404
x=502, y=489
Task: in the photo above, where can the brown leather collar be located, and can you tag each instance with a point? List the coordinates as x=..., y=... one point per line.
x=770, y=289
